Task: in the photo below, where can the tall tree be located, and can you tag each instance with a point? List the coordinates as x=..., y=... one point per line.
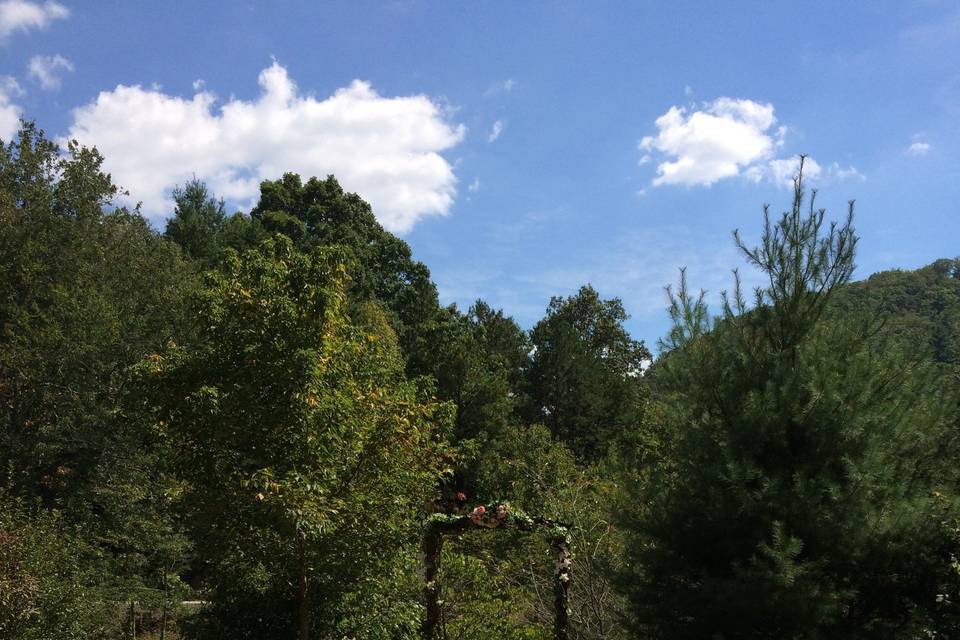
x=198, y=221
x=86, y=290
x=320, y=213
x=306, y=453
x=584, y=377
x=482, y=357
x=797, y=500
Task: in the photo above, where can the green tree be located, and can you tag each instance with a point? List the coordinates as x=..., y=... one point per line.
x=321, y=213
x=484, y=356
x=584, y=377
x=86, y=290
x=198, y=221
x=477, y=358
x=798, y=498
x=306, y=455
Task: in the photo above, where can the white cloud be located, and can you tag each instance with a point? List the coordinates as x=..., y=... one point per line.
x=9, y=112
x=495, y=131
x=21, y=15
x=702, y=147
x=46, y=70
x=474, y=186
x=386, y=149
x=918, y=149
x=781, y=136
x=726, y=138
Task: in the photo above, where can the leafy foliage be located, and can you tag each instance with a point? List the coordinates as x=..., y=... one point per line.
x=300, y=443
x=273, y=438
x=920, y=309
x=47, y=586
x=584, y=381
x=85, y=292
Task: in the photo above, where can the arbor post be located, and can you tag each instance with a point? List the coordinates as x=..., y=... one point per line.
x=440, y=525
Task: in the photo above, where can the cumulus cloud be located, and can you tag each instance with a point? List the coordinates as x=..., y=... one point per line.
x=386, y=149
x=718, y=142
x=9, y=112
x=46, y=70
x=726, y=138
x=474, y=186
x=495, y=131
x=918, y=149
x=21, y=15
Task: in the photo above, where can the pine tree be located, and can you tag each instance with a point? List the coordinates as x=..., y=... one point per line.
x=795, y=502
x=198, y=221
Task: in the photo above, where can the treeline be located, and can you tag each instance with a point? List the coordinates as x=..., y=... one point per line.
x=241, y=427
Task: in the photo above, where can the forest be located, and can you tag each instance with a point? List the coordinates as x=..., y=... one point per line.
x=266, y=425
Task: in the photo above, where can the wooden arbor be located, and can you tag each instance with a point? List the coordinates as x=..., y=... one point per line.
x=440, y=526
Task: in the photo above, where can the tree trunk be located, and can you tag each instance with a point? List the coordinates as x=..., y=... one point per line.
x=303, y=615
x=431, y=547
x=561, y=586
x=133, y=622
x=163, y=618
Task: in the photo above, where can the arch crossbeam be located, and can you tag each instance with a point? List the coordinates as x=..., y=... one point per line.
x=499, y=516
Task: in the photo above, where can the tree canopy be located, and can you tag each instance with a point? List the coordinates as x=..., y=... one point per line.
x=251, y=425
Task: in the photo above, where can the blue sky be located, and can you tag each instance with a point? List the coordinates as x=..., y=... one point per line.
x=522, y=149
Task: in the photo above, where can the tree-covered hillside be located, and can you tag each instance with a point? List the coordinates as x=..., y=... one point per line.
x=920, y=308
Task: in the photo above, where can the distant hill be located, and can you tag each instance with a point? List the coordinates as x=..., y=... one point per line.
x=921, y=308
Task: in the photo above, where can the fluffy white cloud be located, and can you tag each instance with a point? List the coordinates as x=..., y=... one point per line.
x=718, y=142
x=918, y=149
x=21, y=15
x=726, y=138
x=9, y=112
x=495, y=131
x=46, y=70
x=386, y=149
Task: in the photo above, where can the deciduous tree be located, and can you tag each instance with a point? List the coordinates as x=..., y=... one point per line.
x=306, y=454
